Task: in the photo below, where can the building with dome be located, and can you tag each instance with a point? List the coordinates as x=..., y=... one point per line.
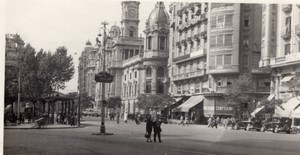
x=138, y=70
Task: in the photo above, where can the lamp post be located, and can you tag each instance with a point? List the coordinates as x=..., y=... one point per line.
x=103, y=77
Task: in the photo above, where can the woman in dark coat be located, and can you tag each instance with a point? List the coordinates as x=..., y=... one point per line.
x=149, y=125
x=157, y=129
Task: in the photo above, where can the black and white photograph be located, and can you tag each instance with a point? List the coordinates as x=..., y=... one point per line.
x=100, y=77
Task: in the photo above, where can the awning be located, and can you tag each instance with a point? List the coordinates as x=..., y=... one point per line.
x=178, y=99
x=270, y=97
x=296, y=111
x=191, y=102
x=286, y=109
x=256, y=111
x=287, y=78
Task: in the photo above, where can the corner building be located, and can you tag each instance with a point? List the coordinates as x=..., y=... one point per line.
x=280, y=46
x=212, y=44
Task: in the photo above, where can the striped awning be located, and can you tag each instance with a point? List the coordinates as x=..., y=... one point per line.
x=257, y=110
x=191, y=102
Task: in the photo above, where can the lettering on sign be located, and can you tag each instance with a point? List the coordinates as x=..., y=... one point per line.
x=224, y=108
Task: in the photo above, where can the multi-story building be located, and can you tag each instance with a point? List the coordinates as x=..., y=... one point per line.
x=280, y=45
x=215, y=43
x=13, y=41
x=86, y=72
x=137, y=70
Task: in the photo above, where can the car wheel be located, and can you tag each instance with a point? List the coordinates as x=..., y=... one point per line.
x=236, y=127
x=262, y=129
x=276, y=130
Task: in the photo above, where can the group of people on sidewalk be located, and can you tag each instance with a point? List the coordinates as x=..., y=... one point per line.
x=156, y=127
x=215, y=122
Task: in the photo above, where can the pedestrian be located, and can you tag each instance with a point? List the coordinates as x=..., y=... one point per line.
x=29, y=117
x=118, y=118
x=186, y=121
x=149, y=126
x=157, y=129
x=58, y=119
x=209, y=122
x=214, y=123
x=181, y=120
x=73, y=120
x=218, y=120
x=125, y=117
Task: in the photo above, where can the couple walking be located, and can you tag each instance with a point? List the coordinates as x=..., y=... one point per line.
x=156, y=126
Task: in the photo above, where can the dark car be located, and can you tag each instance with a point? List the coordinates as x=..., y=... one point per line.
x=249, y=124
x=277, y=125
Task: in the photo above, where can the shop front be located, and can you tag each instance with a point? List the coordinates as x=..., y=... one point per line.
x=217, y=107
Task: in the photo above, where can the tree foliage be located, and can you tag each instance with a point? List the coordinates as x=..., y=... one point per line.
x=86, y=101
x=156, y=102
x=294, y=84
x=240, y=91
x=40, y=73
x=114, y=102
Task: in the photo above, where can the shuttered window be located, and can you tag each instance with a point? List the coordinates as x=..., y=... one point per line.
x=213, y=41
x=228, y=20
x=219, y=60
x=213, y=22
x=227, y=59
x=212, y=61
x=219, y=40
x=255, y=60
x=228, y=40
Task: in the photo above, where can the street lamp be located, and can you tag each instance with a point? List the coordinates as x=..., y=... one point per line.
x=103, y=77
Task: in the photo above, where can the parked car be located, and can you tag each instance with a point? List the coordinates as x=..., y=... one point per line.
x=249, y=124
x=277, y=125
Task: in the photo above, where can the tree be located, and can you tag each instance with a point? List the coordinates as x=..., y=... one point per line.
x=86, y=101
x=294, y=84
x=240, y=91
x=156, y=102
x=270, y=105
x=114, y=102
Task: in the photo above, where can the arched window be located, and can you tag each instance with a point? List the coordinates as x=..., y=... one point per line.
x=148, y=86
x=149, y=43
x=148, y=72
x=160, y=72
x=162, y=42
x=159, y=87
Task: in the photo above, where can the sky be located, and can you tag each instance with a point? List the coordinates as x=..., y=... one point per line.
x=49, y=24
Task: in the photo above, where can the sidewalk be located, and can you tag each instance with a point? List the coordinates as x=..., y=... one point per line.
x=49, y=126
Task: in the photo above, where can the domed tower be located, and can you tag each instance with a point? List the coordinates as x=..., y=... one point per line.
x=114, y=31
x=156, y=50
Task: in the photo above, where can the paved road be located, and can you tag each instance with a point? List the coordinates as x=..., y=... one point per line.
x=129, y=139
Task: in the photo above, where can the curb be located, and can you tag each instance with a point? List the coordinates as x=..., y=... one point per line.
x=81, y=126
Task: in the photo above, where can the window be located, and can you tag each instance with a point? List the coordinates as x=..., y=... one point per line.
x=245, y=60
x=220, y=21
x=162, y=42
x=149, y=43
x=131, y=33
x=213, y=41
x=228, y=20
x=219, y=40
x=148, y=86
x=219, y=60
x=129, y=91
x=185, y=89
x=212, y=61
x=160, y=87
x=267, y=84
x=213, y=22
x=246, y=41
x=148, y=72
x=197, y=89
x=125, y=77
x=229, y=83
x=256, y=58
x=136, y=52
x=178, y=89
x=227, y=59
x=135, y=74
x=246, y=21
x=135, y=90
x=219, y=82
x=287, y=48
x=160, y=72
x=228, y=40
x=130, y=76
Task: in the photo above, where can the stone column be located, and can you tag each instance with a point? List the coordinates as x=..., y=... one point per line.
x=277, y=84
x=52, y=112
x=154, y=80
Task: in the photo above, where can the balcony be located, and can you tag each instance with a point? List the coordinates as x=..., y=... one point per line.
x=189, y=75
x=222, y=89
x=286, y=33
x=131, y=60
x=181, y=58
x=203, y=35
x=287, y=8
x=124, y=40
x=297, y=29
x=196, y=36
x=292, y=57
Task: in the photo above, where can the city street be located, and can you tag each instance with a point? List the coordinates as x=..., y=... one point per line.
x=129, y=139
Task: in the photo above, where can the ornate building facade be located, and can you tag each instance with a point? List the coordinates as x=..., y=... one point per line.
x=86, y=72
x=280, y=46
x=12, y=42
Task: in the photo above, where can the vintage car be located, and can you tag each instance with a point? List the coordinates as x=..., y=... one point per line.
x=277, y=125
x=248, y=125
